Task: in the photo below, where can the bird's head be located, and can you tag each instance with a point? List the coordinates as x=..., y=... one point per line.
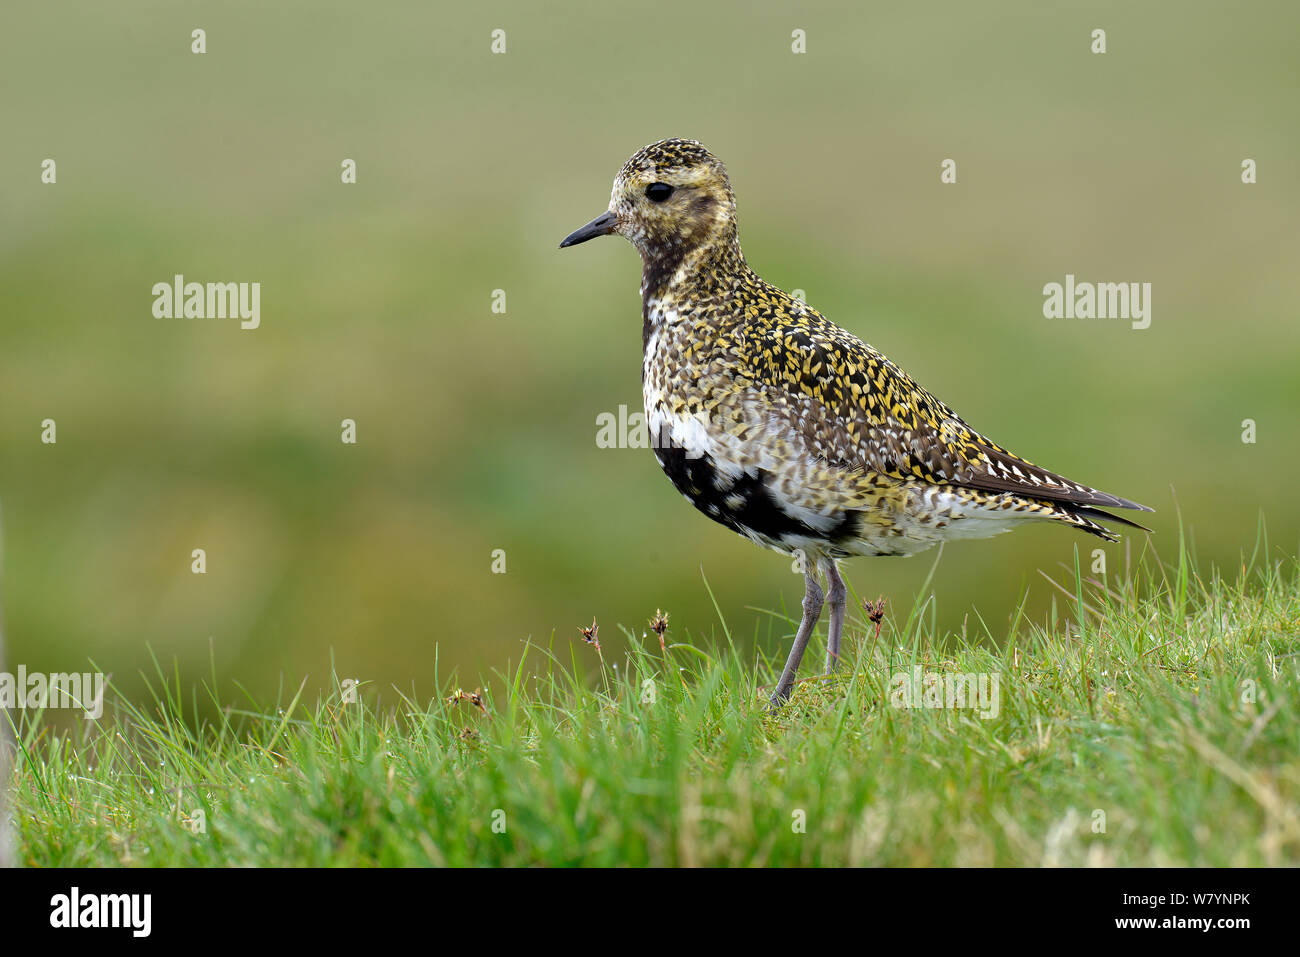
x=669, y=198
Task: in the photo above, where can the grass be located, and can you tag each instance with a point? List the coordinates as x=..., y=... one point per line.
x=1157, y=729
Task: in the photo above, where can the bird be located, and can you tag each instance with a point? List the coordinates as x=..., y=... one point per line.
x=789, y=430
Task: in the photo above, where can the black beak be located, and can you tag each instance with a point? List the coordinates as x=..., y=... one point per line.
x=602, y=225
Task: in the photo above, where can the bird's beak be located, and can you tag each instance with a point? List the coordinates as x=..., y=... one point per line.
x=602, y=225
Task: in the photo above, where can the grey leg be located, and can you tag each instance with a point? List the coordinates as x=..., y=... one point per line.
x=835, y=596
x=812, y=610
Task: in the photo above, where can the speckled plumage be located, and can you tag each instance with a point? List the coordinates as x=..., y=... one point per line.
x=784, y=427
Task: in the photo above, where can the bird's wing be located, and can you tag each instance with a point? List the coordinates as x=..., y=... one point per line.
x=863, y=412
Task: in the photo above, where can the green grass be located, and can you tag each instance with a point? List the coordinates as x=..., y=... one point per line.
x=1168, y=706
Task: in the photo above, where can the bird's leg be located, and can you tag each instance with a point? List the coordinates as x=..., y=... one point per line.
x=812, y=610
x=835, y=596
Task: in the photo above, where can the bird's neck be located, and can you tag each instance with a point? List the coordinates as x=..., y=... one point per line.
x=675, y=273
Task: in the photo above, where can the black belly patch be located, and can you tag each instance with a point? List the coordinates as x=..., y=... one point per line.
x=744, y=503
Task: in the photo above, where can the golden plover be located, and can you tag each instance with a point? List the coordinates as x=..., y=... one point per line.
x=785, y=428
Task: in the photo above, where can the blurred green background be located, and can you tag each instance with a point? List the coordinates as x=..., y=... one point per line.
x=477, y=430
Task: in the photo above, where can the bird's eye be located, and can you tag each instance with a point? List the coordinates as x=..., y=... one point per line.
x=658, y=192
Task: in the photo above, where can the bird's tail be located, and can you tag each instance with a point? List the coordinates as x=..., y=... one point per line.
x=1082, y=517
